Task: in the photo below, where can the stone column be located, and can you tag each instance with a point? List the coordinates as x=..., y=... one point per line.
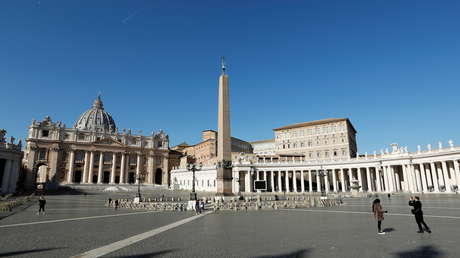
x=13, y=177
x=150, y=167
x=286, y=179
x=122, y=168
x=326, y=181
x=379, y=179
x=257, y=175
x=101, y=165
x=86, y=168
x=434, y=177
x=440, y=177
x=392, y=179
x=91, y=167
x=445, y=173
x=302, y=183
x=138, y=168
x=310, y=183
x=272, y=179
x=369, y=182
x=334, y=181
x=114, y=168
x=397, y=181
x=418, y=178
x=251, y=180
x=342, y=179
x=350, y=177
x=247, y=180
x=280, y=183
x=453, y=180
x=6, y=175
x=424, y=177
x=406, y=185
x=457, y=172
x=71, y=167
x=412, y=178
x=386, y=180
x=360, y=179
x=318, y=182
x=54, y=156
x=429, y=178
x=294, y=180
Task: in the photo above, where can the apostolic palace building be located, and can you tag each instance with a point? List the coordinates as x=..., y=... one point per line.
x=93, y=151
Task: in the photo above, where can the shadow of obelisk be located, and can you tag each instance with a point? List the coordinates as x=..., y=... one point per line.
x=224, y=152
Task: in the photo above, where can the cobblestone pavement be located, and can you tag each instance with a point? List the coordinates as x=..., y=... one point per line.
x=77, y=224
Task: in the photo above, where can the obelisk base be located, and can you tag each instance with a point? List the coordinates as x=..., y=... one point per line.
x=224, y=182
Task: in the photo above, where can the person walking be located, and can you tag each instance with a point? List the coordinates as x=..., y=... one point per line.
x=201, y=206
x=197, y=207
x=41, y=205
x=116, y=204
x=110, y=201
x=378, y=215
x=417, y=211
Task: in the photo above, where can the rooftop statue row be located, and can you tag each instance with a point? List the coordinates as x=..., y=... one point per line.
x=11, y=143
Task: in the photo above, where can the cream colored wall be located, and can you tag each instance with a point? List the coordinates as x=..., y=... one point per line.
x=317, y=141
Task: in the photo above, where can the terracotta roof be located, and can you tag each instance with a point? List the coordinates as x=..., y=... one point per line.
x=261, y=141
x=316, y=122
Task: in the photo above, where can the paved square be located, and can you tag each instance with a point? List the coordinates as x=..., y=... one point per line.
x=77, y=224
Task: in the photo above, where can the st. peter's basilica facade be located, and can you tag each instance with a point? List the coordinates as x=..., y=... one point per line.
x=93, y=151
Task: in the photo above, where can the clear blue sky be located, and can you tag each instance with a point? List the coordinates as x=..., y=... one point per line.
x=392, y=67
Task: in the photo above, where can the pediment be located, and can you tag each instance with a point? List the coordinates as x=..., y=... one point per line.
x=109, y=141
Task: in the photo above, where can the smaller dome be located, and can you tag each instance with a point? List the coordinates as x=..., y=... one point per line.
x=96, y=119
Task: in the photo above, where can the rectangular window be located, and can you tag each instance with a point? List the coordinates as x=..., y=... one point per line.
x=42, y=154
x=45, y=133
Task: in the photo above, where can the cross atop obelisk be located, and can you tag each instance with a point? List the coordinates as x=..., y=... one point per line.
x=224, y=151
x=222, y=65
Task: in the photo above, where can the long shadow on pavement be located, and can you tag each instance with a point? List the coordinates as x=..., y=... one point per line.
x=147, y=255
x=295, y=254
x=425, y=251
x=388, y=230
x=27, y=251
x=23, y=207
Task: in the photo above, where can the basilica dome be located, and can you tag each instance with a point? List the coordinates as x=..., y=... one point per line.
x=96, y=119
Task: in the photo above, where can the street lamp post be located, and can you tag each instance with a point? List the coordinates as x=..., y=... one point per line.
x=139, y=178
x=322, y=174
x=193, y=167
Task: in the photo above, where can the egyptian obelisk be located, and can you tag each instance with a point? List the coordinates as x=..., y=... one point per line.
x=224, y=151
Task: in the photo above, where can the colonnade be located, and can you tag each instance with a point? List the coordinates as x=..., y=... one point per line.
x=424, y=176
x=116, y=175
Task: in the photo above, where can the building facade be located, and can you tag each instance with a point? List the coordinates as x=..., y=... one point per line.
x=317, y=140
x=264, y=147
x=93, y=151
x=205, y=152
x=10, y=163
x=424, y=171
